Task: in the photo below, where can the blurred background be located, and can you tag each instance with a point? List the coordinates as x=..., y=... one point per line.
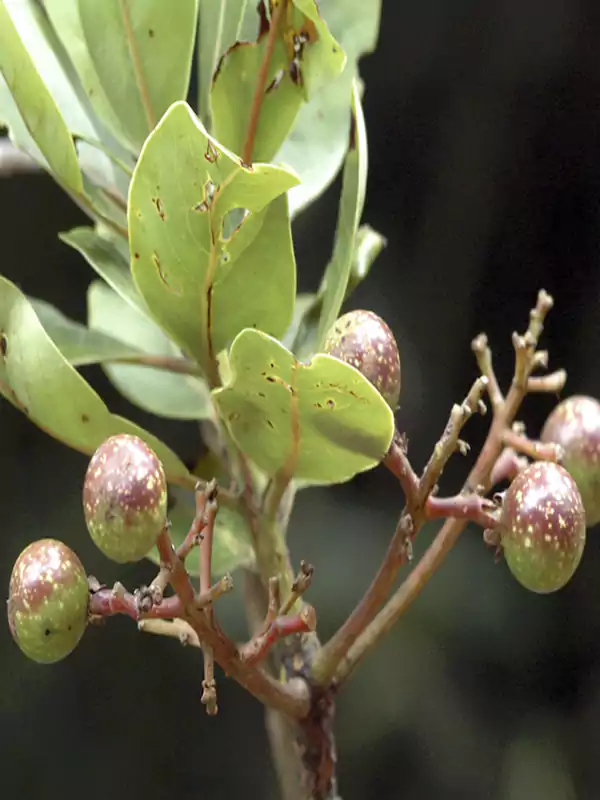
x=484, y=136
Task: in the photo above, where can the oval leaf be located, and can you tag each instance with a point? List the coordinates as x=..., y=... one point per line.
x=164, y=393
x=141, y=51
x=36, y=106
x=40, y=382
x=186, y=262
x=321, y=422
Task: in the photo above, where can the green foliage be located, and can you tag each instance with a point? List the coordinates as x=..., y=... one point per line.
x=354, y=185
x=192, y=245
x=184, y=260
x=77, y=343
x=219, y=28
x=141, y=53
x=37, y=379
x=291, y=79
x=160, y=391
x=321, y=422
x=41, y=119
x=317, y=143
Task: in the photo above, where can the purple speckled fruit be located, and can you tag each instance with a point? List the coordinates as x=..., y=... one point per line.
x=542, y=527
x=47, y=601
x=363, y=340
x=575, y=426
x=125, y=498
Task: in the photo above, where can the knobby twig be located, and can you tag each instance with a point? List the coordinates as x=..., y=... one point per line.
x=206, y=511
x=538, y=451
x=479, y=480
x=416, y=493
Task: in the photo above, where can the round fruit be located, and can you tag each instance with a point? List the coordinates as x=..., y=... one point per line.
x=575, y=426
x=363, y=340
x=125, y=498
x=48, y=601
x=542, y=527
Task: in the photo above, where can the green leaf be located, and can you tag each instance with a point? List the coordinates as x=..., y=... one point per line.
x=367, y=246
x=66, y=21
x=77, y=343
x=164, y=393
x=322, y=422
x=296, y=333
x=317, y=144
x=110, y=261
x=191, y=271
x=141, y=51
x=231, y=543
x=352, y=201
x=291, y=79
x=36, y=107
x=37, y=379
x=219, y=27
x=322, y=58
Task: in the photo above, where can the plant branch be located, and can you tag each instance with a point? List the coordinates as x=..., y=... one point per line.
x=400, y=548
x=291, y=698
x=261, y=83
x=479, y=479
x=470, y=507
x=538, y=451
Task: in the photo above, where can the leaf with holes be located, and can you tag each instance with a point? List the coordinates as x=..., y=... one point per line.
x=141, y=52
x=41, y=383
x=352, y=201
x=189, y=265
x=231, y=543
x=317, y=143
x=79, y=344
x=321, y=422
x=160, y=391
x=30, y=111
x=304, y=54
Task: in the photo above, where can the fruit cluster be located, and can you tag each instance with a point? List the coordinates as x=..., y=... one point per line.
x=125, y=507
x=541, y=524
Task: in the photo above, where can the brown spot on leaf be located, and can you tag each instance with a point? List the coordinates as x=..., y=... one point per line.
x=160, y=207
x=136, y=256
x=85, y=418
x=3, y=345
x=151, y=33
x=212, y=154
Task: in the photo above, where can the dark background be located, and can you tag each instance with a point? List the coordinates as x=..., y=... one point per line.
x=485, y=176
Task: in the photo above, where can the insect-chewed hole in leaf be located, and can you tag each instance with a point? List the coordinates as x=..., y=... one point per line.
x=160, y=207
x=270, y=424
x=330, y=403
x=232, y=222
x=3, y=345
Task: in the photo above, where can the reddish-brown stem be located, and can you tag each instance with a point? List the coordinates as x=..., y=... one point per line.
x=258, y=647
x=539, y=451
x=470, y=508
x=507, y=466
x=396, y=460
x=479, y=479
x=206, y=511
x=292, y=698
x=261, y=83
x=108, y=602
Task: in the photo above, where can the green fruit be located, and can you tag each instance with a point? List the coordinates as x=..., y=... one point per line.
x=575, y=426
x=363, y=340
x=48, y=601
x=125, y=498
x=542, y=527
